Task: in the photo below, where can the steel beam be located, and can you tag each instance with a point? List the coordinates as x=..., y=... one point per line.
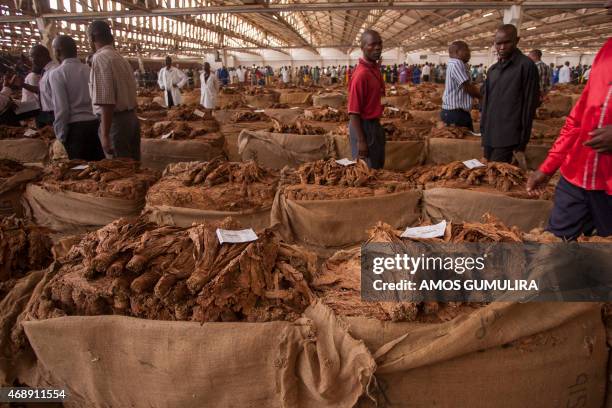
x=309, y=7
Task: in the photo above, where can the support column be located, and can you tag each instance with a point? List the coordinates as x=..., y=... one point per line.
x=48, y=31
x=514, y=16
x=140, y=62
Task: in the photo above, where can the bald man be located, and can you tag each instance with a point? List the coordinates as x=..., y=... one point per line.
x=366, y=88
x=75, y=124
x=459, y=90
x=511, y=96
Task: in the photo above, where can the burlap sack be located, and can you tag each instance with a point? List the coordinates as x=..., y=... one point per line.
x=399, y=155
x=191, y=98
x=296, y=98
x=469, y=206
x=11, y=190
x=117, y=361
x=226, y=99
x=261, y=101
x=14, y=357
x=432, y=116
x=558, y=105
x=277, y=150
x=160, y=100
x=399, y=101
x=443, y=151
x=66, y=211
x=24, y=150
x=333, y=99
x=183, y=217
x=506, y=354
x=335, y=224
x=231, y=131
x=158, y=153
x=226, y=116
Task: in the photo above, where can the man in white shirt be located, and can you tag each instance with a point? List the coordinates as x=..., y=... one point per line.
x=42, y=63
x=209, y=88
x=565, y=76
x=9, y=107
x=171, y=80
x=113, y=95
x=285, y=75
x=32, y=79
x=426, y=72
x=241, y=74
x=75, y=124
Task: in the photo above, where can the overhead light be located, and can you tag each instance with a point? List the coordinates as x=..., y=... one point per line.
x=531, y=28
x=487, y=15
x=274, y=16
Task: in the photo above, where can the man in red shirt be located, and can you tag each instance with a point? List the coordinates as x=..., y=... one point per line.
x=583, y=153
x=366, y=88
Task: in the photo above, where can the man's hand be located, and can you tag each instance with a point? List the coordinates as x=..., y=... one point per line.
x=537, y=182
x=601, y=140
x=107, y=146
x=362, y=147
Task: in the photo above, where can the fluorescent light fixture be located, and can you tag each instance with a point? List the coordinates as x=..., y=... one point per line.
x=487, y=15
x=531, y=28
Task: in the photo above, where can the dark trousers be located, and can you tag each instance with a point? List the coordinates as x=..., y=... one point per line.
x=82, y=141
x=44, y=119
x=9, y=117
x=125, y=134
x=499, y=154
x=170, y=100
x=457, y=117
x=375, y=139
x=578, y=211
x=425, y=78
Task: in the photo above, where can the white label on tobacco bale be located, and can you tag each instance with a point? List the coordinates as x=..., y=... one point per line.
x=199, y=113
x=476, y=134
x=345, y=162
x=80, y=167
x=250, y=106
x=333, y=110
x=259, y=111
x=236, y=236
x=167, y=135
x=295, y=107
x=428, y=231
x=394, y=109
x=141, y=118
x=473, y=163
x=30, y=133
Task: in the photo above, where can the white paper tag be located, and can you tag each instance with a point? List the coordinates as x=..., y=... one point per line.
x=295, y=107
x=473, y=164
x=80, y=167
x=167, y=135
x=141, y=118
x=476, y=134
x=333, y=110
x=250, y=106
x=30, y=133
x=199, y=113
x=428, y=231
x=236, y=236
x=259, y=111
x=391, y=108
x=345, y=162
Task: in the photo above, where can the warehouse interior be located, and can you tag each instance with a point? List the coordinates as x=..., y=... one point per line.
x=306, y=203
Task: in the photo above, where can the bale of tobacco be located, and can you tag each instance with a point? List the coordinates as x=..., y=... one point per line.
x=205, y=131
x=326, y=114
x=450, y=132
x=327, y=205
x=210, y=191
x=116, y=178
x=137, y=268
x=297, y=128
x=14, y=177
x=24, y=247
x=248, y=116
x=339, y=282
x=502, y=177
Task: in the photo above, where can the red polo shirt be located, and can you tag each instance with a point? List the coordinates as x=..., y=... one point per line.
x=366, y=88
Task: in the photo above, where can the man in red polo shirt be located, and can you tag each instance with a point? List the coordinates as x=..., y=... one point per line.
x=583, y=153
x=366, y=88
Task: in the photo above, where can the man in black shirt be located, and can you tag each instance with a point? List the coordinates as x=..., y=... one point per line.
x=511, y=96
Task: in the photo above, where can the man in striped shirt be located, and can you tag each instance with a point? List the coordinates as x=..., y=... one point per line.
x=459, y=89
x=543, y=71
